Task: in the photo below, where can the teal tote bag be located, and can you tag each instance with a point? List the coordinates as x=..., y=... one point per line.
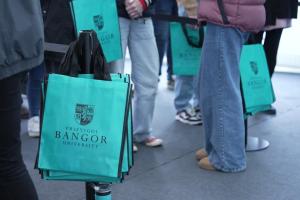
x=76, y=61
x=256, y=83
x=100, y=16
x=127, y=160
x=186, y=43
x=83, y=126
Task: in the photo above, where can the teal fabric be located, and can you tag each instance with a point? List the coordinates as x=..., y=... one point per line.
x=256, y=83
x=107, y=197
x=83, y=133
x=126, y=164
x=102, y=17
x=63, y=176
x=186, y=59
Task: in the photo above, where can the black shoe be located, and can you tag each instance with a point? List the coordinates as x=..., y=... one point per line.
x=272, y=111
x=189, y=116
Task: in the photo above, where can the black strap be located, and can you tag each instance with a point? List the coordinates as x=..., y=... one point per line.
x=198, y=44
x=222, y=11
x=184, y=21
x=173, y=18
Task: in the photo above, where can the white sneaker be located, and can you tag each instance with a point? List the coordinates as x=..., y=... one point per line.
x=190, y=117
x=34, y=126
x=135, y=148
x=152, y=141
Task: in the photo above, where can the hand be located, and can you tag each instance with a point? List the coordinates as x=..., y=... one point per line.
x=194, y=26
x=193, y=16
x=134, y=8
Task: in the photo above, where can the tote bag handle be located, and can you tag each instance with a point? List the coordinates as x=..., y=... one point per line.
x=192, y=43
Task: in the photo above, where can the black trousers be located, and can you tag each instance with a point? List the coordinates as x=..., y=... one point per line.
x=15, y=182
x=271, y=45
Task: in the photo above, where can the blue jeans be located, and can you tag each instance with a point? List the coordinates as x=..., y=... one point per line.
x=162, y=32
x=185, y=88
x=138, y=36
x=34, y=89
x=220, y=97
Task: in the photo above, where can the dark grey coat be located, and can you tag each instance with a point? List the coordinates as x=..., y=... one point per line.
x=21, y=36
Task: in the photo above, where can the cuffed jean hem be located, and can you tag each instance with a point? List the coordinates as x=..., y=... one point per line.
x=226, y=169
x=184, y=108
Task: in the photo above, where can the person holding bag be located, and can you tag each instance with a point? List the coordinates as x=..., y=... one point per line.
x=138, y=35
x=162, y=35
x=185, y=85
x=279, y=16
x=228, y=27
x=20, y=50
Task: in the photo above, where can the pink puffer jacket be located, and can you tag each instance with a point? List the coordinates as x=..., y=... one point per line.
x=247, y=15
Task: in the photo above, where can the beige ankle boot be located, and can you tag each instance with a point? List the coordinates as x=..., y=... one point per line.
x=205, y=164
x=200, y=154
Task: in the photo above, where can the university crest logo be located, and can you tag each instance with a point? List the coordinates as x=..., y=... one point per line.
x=84, y=114
x=98, y=22
x=254, y=67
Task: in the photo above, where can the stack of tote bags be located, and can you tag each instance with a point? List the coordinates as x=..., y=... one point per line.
x=257, y=90
x=86, y=126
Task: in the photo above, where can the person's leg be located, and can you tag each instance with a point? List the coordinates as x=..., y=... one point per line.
x=161, y=28
x=35, y=79
x=170, y=79
x=271, y=45
x=15, y=182
x=220, y=98
x=183, y=92
x=24, y=108
x=34, y=88
x=144, y=76
x=195, y=98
